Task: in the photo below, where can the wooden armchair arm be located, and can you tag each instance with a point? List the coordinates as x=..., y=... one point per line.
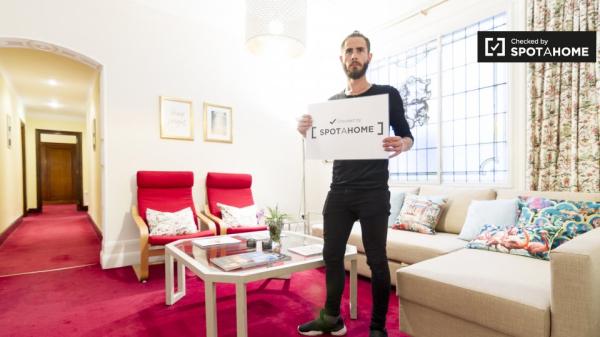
x=206, y=223
x=141, y=225
x=221, y=227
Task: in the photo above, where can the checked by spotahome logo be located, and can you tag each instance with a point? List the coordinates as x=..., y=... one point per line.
x=520, y=46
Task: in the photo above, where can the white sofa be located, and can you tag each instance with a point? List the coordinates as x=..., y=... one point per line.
x=446, y=290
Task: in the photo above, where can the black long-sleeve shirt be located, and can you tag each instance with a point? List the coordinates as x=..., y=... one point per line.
x=371, y=173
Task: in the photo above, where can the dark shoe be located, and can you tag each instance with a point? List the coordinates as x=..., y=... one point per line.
x=325, y=323
x=378, y=333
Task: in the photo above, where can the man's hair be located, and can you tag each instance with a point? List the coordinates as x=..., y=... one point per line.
x=356, y=33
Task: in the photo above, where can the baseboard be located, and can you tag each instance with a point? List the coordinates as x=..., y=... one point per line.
x=36, y=210
x=82, y=208
x=10, y=229
x=117, y=254
x=96, y=228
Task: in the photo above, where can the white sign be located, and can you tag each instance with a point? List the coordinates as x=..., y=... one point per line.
x=351, y=128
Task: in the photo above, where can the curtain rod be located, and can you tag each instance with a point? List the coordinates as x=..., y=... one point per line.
x=423, y=11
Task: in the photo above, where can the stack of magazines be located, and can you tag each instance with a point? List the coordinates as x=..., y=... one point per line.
x=248, y=260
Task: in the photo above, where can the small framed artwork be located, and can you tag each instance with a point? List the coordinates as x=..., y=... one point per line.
x=176, y=118
x=94, y=134
x=8, y=131
x=218, y=122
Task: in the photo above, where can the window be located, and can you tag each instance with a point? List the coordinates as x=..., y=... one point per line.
x=456, y=108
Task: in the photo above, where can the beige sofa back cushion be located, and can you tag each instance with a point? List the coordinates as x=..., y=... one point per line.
x=574, y=196
x=455, y=212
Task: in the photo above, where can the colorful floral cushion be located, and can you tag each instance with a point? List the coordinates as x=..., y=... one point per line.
x=238, y=217
x=166, y=223
x=543, y=225
x=419, y=214
x=533, y=241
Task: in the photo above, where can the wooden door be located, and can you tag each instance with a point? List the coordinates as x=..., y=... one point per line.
x=58, y=173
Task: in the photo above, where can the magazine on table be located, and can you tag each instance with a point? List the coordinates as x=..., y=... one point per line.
x=308, y=250
x=215, y=241
x=248, y=260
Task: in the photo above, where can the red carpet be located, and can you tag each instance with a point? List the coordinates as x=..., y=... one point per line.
x=60, y=237
x=91, y=302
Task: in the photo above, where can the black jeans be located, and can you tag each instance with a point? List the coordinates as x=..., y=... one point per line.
x=342, y=208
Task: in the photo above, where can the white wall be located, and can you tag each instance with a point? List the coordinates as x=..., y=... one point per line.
x=194, y=50
x=11, y=176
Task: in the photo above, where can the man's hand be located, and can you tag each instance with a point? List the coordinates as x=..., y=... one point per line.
x=304, y=123
x=397, y=145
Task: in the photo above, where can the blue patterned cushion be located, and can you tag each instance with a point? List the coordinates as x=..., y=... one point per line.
x=543, y=225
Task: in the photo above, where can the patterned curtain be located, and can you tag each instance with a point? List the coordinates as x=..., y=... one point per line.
x=563, y=122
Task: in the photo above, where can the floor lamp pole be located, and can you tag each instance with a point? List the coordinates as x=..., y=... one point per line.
x=304, y=215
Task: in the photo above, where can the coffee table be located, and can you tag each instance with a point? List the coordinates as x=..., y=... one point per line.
x=185, y=254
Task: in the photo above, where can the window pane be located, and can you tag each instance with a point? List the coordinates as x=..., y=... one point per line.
x=459, y=53
x=472, y=76
x=460, y=163
x=472, y=108
x=459, y=106
x=459, y=79
x=501, y=98
x=486, y=74
x=459, y=132
x=447, y=104
x=447, y=159
x=447, y=134
x=486, y=129
x=446, y=57
x=472, y=132
x=473, y=158
x=486, y=101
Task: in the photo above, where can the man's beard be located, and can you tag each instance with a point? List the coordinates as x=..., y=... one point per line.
x=356, y=73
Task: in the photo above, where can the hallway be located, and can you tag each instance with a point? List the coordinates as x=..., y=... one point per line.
x=59, y=238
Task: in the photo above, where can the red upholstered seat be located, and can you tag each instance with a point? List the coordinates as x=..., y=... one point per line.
x=164, y=191
x=229, y=189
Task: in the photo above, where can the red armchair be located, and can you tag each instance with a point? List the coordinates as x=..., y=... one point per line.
x=166, y=192
x=229, y=189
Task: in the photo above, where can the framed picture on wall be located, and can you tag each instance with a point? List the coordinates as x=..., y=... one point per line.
x=218, y=123
x=94, y=134
x=176, y=118
x=8, y=131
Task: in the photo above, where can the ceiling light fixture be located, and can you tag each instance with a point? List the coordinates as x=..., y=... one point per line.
x=276, y=27
x=52, y=82
x=54, y=104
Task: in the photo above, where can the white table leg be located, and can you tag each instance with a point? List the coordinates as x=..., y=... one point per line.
x=173, y=296
x=211, y=308
x=169, y=287
x=241, y=311
x=353, y=290
x=180, y=280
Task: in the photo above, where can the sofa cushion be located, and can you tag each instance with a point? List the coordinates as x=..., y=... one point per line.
x=507, y=293
x=458, y=200
x=419, y=214
x=404, y=246
x=488, y=212
x=180, y=222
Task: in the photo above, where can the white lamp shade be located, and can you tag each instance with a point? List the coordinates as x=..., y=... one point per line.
x=276, y=27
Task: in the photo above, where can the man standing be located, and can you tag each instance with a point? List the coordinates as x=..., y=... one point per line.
x=358, y=191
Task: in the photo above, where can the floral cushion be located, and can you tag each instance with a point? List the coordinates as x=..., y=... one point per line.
x=543, y=225
x=238, y=217
x=419, y=214
x=166, y=223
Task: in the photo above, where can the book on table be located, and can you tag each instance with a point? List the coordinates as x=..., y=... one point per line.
x=308, y=250
x=248, y=260
x=215, y=241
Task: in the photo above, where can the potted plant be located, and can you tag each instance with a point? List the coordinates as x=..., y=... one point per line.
x=274, y=221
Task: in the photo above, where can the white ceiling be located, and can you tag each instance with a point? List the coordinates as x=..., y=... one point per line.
x=32, y=73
